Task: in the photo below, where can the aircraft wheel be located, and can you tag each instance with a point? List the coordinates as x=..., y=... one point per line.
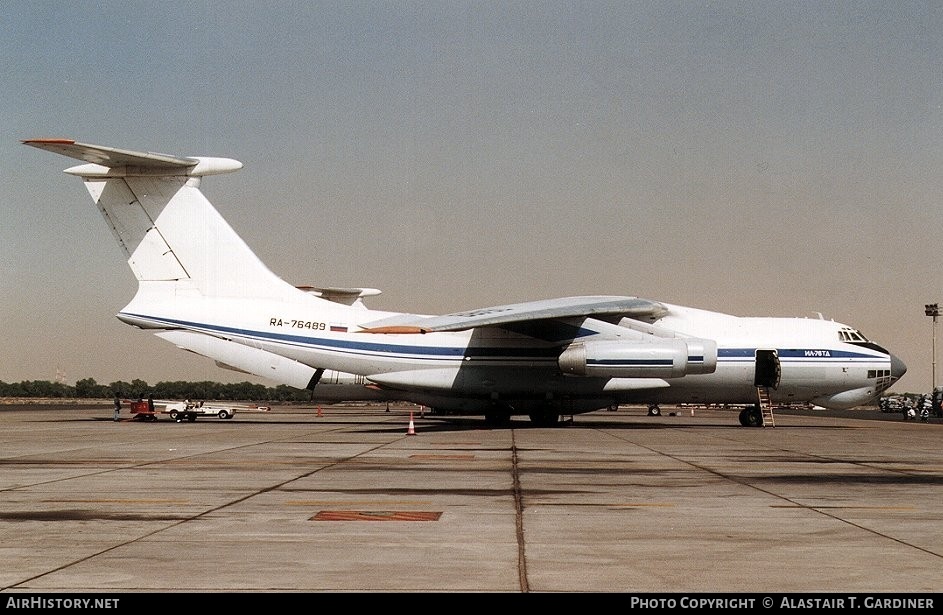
x=544, y=419
x=751, y=417
x=654, y=410
x=497, y=418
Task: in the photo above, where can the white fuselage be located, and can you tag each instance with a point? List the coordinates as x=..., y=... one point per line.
x=493, y=364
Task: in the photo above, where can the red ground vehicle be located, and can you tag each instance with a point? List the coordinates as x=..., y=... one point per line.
x=142, y=410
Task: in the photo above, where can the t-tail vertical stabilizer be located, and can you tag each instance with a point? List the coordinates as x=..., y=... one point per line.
x=174, y=238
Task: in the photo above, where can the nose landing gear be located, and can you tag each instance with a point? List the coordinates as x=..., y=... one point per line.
x=751, y=417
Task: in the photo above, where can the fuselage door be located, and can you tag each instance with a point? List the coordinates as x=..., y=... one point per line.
x=768, y=371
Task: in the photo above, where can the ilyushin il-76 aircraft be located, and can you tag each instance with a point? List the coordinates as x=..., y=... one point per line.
x=203, y=289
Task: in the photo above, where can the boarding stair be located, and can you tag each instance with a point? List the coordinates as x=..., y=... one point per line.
x=766, y=407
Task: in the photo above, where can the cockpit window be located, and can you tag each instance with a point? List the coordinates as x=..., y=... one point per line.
x=851, y=336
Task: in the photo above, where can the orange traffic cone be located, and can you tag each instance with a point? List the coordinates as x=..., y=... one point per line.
x=412, y=428
x=319, y=411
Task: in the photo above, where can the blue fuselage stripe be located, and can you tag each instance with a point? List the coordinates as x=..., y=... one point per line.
x=490, y=353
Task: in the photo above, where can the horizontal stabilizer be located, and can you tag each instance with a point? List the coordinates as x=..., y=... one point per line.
x=346, y=296
x=113, y=162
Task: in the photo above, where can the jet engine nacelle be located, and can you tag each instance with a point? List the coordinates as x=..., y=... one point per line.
x=660, y=358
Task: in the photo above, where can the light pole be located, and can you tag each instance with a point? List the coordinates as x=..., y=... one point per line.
x=933, y=309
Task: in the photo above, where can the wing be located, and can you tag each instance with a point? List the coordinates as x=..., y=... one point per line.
x=565, y=307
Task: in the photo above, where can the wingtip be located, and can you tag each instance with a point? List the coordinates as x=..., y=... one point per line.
x=48, y=141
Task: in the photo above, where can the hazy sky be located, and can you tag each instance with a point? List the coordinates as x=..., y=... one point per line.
x=756, y=158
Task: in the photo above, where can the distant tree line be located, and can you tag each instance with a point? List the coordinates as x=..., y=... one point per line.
x=206, y=390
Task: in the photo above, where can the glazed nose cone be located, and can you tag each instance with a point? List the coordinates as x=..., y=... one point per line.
x=898, y=368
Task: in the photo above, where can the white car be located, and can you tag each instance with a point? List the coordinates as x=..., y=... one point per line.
x=179, y=411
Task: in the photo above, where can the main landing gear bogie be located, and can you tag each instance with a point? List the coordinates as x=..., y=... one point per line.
x=545, y=418
x=501, y=417
x=498, y=418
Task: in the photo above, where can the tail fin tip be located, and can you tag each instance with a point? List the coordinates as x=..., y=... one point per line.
x=112, y=162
